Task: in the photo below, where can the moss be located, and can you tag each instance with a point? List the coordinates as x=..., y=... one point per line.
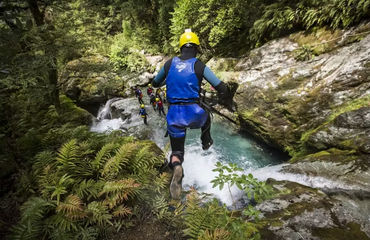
x=332, y=154
x=249, y=114
x=346, y=107
x=73, y=113
x=319, y=41
x=350, y=106
x=226, y=64
x=349, y=231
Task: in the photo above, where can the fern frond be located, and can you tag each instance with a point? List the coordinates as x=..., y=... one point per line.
x=118, y=191
x=103, y=155
x=72, y=207
x=217, y=234
x=98, y=213
x=88, y=188
x=122, y=211
x=43, y=159
x=123, y=156
x=33, y=213
x=61, y=187
x=68, y=153
x=62, y=222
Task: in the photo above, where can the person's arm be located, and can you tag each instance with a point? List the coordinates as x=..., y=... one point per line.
x=159, y=80
x=222, y=89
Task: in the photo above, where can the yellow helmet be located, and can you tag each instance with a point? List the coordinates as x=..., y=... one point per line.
x=188, y=37
x=149, y=85
x=157, y=99
x=142, y=105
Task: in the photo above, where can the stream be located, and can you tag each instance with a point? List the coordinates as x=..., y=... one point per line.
x=229, y=147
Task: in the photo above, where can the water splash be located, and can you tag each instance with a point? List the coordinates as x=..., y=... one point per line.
x=105, y=111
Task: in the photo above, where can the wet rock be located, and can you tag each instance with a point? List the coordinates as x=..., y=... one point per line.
x=91, y=81
x=303, y=107
x=350, y=170
x=350, y=130
x=300, y=212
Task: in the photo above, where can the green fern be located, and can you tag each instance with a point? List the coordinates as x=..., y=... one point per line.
x=114, y=165
x=71, y=207
x=89, y=189
x=103, y=155
x=98, y=213
x=68, y=154
x=31, y=225
x=118, y=191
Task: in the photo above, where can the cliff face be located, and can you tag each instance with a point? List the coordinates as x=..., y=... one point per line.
x=305, y=93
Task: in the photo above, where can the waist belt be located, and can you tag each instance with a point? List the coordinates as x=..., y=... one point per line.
x=184, y=103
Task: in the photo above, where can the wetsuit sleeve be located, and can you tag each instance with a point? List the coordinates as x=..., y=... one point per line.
x=159, y=79
x=225, y=97
x=211, y=77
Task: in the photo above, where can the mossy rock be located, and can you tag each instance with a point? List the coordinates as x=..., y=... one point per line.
x=320, y=40
x=350, y=231
x=300, y=212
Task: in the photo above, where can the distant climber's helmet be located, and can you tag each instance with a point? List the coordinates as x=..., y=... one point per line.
x=157, y=99
x=188, y=37
x=149, y=85
x=142, y=105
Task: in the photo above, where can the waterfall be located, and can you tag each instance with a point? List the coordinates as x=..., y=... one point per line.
x=105, y=112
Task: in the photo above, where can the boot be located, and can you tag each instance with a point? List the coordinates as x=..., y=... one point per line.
x=176, y=182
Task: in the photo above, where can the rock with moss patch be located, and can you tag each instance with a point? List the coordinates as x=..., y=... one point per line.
x=300, y=212
x=90, y=80
x=288, y=103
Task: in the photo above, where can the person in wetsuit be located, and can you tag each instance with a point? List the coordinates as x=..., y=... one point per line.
x=143, y=113
x=183, y=76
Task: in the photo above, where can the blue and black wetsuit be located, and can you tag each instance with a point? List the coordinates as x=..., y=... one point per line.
x=183, y=76
x=144, y=115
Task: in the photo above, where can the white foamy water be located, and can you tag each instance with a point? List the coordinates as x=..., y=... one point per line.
x=275, y=172
x=107, y=125
x=105, y=111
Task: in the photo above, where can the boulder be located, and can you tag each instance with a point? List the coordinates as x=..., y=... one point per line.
x=90, y=80
x=300, y=212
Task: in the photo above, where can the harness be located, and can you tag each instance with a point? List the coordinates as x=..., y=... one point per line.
x=182, y=82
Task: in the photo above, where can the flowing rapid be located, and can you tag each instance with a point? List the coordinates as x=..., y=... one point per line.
x=229, y=147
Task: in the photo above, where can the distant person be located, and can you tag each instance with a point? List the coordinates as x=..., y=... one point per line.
x=149, y=90
x=139, y=95
x=165, y=95
x=152, y=101
x=162, y=95
x=183, y=77
x=157, y=93
x=143, y=113
x=160, y=106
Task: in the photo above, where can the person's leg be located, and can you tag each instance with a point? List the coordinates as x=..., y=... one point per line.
x=177, y=147
x=206, y=134
x=176, y=159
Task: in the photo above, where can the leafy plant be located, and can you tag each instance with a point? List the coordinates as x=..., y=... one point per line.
x=85, y=191
x=227, y=174
x=212, y=220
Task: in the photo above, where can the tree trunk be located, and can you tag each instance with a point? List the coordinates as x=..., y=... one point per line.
x=38, y=16
x=36, y=13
